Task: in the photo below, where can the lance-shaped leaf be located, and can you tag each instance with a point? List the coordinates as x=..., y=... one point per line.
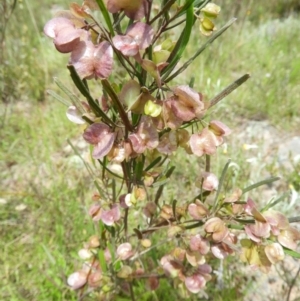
x=101, y=136
x=92, y=61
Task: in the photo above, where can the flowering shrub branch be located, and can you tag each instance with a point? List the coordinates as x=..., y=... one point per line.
x=133, y=129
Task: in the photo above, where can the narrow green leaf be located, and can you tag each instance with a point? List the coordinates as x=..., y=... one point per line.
x=111, y=248
x=291, y=253
x=166, y=5
x=215, y=206
x=115, y=99
x=263, y=182
x=109, y=171
x=106, y=16
x=161, y=182
x=87, y=166
x=138, y=171
x=100, y=190
x=294, y=219
x=236, y=227
x=74, y=99
x=192, y=82
x=153, y=163
x=197, y=4
x=182, y=41
x=174, y=203
x=170, y=171
x=138, y=233
x=228, y=90
x=102, y=261
x=59, y=98
x=244, y=221
x=275, y=202
x=85, y=92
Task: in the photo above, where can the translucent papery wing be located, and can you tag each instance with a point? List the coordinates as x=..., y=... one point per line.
x=203, y=143
x=103, y=60
x=127, y=45
x=142, y=33
x=82, y=58
x=104, y=146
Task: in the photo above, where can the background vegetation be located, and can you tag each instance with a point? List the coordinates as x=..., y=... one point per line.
x=44, y=187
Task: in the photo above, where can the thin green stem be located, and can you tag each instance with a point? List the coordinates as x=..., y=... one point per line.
x=110, y=91
x=163, y=10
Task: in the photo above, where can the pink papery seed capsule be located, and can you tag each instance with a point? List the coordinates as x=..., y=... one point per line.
x=274, y=252
x=77, y=279
x=124, y=251
x=138, y=37
x=95, y=212
x=173, y=268
x=92, y=61
x=210, y=181
x=146, y=136
x=203, y=143
x=64, y=34
x=217, y=228
x=95, y=279
x=101, y=136
x=111, y=216
x=135, y=10
x=289, y=237
x=194, y=258
x=187, y=104
x=198, y=210
x=200, y=244
x=195, y=283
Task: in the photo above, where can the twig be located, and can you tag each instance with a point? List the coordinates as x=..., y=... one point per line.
x=292, y=284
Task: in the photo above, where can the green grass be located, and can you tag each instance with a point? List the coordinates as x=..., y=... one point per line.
x=39, y=244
